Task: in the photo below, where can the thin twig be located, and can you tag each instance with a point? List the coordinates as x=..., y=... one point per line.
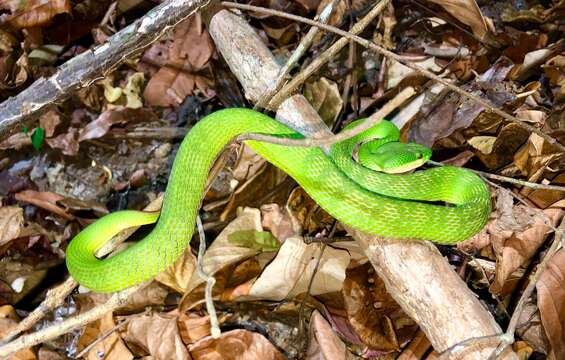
x=509, y=179
x=371, y=121
x=116, y=301
x=324, y=57
x=304, y=45
x=372, y=46
x=55, y=297
x=311, y=282
x=210, y=281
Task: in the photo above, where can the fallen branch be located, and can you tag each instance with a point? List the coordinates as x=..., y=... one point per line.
x=389, y=54
x=93, y=64
x=416, y=274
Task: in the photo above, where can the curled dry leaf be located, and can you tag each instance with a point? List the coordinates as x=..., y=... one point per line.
x=235, y=345
x=533, y=158
x=67, y=142
x=551, y=302
x=324, y=341
x=514, y=248
x=129, y=96
x=193, y=327
x=122, y=115
x=35, y=13
x=49, y=122
x=325, y=98
x=45, y=200
x=222, y=253
x=370, y=309
x=9, y=319
x=157, y=335
x=178, y=275
x=11, y=223
x=469, y=13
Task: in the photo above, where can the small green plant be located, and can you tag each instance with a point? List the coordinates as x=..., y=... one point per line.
x=37, y=137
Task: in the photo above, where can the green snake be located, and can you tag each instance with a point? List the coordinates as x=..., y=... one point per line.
x=404, y=206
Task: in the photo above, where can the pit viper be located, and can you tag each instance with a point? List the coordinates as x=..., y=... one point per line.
x=442, y=204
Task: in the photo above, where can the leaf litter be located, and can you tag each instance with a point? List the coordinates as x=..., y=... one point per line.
x=96, y=155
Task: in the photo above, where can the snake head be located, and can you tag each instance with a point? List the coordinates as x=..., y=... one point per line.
x=393, y=157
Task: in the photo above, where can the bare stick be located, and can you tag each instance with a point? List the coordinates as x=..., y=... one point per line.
x=509, y=179
x=389, y=54
x=330, y=53
x=371, y=121
x=304, y=45
x=210, y=281
x=116, y=301
x=54, y=298
x=93, y=64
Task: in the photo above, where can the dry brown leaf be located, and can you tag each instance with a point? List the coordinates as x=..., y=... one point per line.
x=324, y=343
x=235, y=345
x=543, y=198
x=222, y=253
x=151, y=295
x=11, y=222
x=189, y=52
x=36, y=13
x=514, y=250
x=157, y=335
x=531, y=327
x=169, y=87
x=111, y=348
x=178, y=275
x=21, y=277
x=16, y=141
x=192, y=45
x=551, y=302
x=45, y=200
x=369, y=308
x=121, y=115
x=67, y=142
x=9, y=319
x=337, y=14
x=45, y=353
x=193, y=327
x=289, y=273
x=469, y=13
x=535, y=156
x=279, y=222
x=325, y=98
x=49, y=122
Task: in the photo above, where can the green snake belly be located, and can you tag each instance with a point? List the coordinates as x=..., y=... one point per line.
x=388, y=205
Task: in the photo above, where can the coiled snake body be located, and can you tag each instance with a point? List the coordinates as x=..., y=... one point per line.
x=399, y=206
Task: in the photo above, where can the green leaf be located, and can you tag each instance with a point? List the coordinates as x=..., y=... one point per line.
x=260, y=240
x=37, y=138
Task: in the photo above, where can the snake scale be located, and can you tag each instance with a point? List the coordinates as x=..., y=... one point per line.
x=404, y=206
